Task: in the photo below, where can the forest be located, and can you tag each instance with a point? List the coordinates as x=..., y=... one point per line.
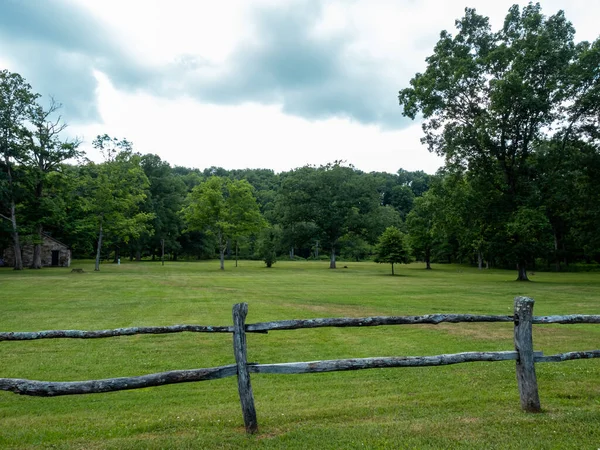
x=515, y=113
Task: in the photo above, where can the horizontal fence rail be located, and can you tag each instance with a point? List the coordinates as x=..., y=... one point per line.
x=264, y=327
x=523, y=354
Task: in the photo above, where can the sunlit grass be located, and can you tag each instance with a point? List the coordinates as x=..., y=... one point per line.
x=470, y=405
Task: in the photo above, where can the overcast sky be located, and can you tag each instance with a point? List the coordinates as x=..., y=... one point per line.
x=238, y=83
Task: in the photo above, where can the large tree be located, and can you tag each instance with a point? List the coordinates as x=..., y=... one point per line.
x=114, y=192
x=16, y=102
x=487, y=98
x=224, y=208
x=336, y=199
x=45, y=152
x=166, y=194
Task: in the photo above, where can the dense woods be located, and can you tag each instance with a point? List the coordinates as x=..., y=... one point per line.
x=515, y=113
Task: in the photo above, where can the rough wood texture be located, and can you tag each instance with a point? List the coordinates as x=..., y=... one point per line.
x=570, y=319
x=240, y=310
x=526, y=379
x=81, y=334
x=374, y=321
x=379, y=363
x=54, y=388
x=569, y=356
x=264, y=327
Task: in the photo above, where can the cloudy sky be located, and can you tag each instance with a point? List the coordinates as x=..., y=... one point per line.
x=239, y=83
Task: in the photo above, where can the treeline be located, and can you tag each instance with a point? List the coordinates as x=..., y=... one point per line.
x=135, y=206
x=515, y=113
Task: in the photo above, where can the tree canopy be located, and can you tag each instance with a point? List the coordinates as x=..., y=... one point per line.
x=489, y=100
x=392, y=248
x=224, y=208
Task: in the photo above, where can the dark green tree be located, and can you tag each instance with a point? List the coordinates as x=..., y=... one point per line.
x=421, y=225
x=44, y=154
x=336, y=199
x=166, y=195
x=16, y=102
x=488, y=98
x=268, y=244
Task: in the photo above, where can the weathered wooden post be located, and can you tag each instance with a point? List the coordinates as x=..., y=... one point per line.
x=240, y=310
x=526, y=379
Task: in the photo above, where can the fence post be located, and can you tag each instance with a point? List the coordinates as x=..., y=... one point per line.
x=240, y=310
x=526, y=379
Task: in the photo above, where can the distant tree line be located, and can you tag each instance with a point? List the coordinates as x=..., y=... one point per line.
x=514, y=112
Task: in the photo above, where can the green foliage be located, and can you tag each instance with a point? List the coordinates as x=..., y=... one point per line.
x=392, y=248
x=334, y=198
x=354, y=247
x=268, y=244
x=421, y=226
x=16, y=101
x=490, y=100
x=166, y=194
x=113, y=194
x=224, y=208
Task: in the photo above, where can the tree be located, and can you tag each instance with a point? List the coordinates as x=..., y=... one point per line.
x=226, y=209
x=45, y=153
x=166, y=194
x=488, y=98
x=336, y=199
x=268, y=244
x=16, y=100
x=113, y=192
x=392, y=248
x=421, y=227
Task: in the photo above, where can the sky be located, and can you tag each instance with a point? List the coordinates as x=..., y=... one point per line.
x=274, y=84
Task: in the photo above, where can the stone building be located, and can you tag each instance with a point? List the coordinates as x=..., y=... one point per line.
x=54, y=253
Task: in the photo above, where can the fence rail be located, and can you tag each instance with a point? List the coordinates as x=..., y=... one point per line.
x=523, y=354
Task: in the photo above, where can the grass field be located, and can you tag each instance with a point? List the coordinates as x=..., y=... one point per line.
x=473, y=405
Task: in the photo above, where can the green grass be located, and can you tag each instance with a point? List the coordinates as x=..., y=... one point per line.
x=472, y=405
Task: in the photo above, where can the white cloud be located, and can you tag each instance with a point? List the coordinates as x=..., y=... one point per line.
x=187, y=133
x=388, y=42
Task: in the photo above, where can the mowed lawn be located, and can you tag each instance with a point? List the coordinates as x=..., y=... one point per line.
x=473, y=405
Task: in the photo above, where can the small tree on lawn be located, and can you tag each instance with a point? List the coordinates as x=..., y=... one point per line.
x=392, y=248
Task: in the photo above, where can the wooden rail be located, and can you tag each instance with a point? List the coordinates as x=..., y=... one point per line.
x=523, y=354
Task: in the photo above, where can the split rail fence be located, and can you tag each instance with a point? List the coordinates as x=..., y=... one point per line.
x=523, y=354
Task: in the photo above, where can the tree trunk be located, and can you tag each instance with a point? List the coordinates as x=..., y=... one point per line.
x=332, y=259
x=556, y=253
x=15, y=236
x=13, y=218
x=479, y=260
x=292, y=253
x=138, y=255
x=428, y=259
x=521, y=267
x=117, y=254
x=392, y=268
x=236, y=252
x=97, y=266
x=222, y=249
x=37, y=248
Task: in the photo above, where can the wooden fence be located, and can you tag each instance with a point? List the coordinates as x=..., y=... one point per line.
x=523, y=354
